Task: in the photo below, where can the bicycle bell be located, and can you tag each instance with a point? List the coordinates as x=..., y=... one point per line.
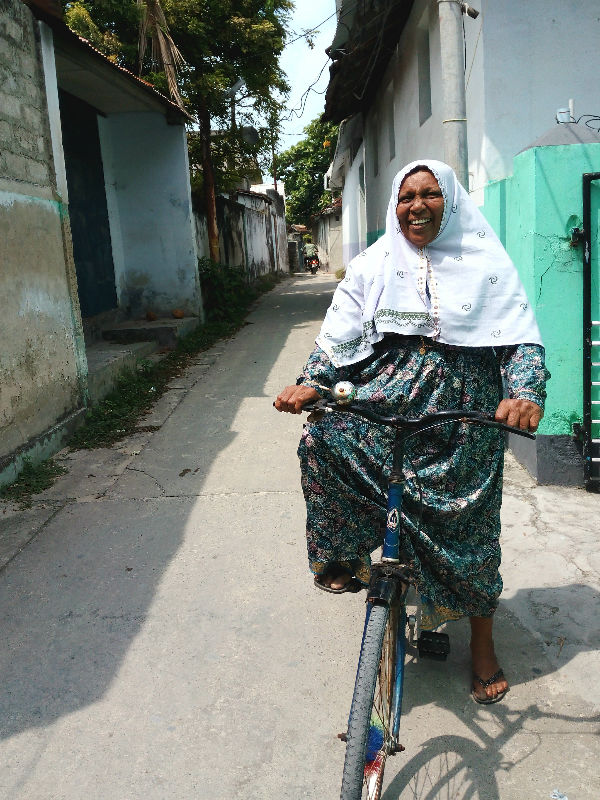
x=344, y=392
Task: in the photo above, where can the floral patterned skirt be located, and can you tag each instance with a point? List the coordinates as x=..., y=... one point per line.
x=454, y=548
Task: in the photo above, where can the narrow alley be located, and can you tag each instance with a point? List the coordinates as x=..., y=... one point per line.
x=163, y=638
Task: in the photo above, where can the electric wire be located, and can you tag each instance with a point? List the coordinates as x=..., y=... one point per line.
x=474, y=51
x=590, y=118
x=315, y=29
x=298, y=110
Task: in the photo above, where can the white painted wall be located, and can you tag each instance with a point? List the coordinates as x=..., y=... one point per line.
x=523, y=61
x=327, y=235
x=41, y=372
x=150, y=212
x=537, y=55
x=252, y=233
x=354, y=230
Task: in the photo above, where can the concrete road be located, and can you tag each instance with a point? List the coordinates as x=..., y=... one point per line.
x=162, y=637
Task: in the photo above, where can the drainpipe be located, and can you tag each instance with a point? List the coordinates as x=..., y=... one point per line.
x=453, y=82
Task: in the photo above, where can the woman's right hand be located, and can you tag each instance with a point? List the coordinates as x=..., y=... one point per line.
x=292, y=398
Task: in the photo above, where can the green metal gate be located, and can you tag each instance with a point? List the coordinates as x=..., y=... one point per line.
x=591, y=330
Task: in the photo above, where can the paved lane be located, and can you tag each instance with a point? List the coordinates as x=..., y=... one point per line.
x=162, y=637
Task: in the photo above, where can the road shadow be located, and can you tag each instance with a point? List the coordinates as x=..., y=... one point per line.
x=76, y=597
x=490, y=752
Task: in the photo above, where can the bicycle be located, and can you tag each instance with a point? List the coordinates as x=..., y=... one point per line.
x=374, y=721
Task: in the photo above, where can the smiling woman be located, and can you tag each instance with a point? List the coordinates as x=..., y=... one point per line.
x=420, y=207
x=428, y=318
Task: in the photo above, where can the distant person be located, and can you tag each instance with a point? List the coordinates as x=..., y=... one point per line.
x=432, y=316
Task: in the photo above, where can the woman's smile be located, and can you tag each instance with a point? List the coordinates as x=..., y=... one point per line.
x=420, y=207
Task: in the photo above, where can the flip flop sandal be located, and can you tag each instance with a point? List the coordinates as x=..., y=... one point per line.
x=353, y=585
x=487, y=701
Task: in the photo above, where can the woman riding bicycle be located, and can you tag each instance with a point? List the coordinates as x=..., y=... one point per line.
x=431, y=316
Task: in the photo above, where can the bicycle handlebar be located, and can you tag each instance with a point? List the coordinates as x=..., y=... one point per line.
x=418, y=424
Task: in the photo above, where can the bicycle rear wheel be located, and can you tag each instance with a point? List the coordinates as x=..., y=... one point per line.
x=370, y=738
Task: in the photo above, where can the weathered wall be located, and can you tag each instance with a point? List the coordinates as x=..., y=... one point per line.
x=506, y=111
x=38, y=367
x=533, y=212
x=327, y=235
x=252, y=233
x=150, y=211
x=354, y=218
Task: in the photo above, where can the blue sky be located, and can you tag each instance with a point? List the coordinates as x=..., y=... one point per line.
x=302, y=65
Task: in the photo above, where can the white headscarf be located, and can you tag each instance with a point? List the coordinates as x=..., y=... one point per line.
x=462, y=289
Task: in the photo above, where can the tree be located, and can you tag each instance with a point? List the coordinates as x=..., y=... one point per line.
x=222, y=43
x=303, y=166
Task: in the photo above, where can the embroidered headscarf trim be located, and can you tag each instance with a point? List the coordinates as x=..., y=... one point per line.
x=462, y=289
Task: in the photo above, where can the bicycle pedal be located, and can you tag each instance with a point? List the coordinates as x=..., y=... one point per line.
x=433, y=645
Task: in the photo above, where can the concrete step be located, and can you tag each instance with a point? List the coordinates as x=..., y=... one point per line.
x=107, y=362
x=164, y=331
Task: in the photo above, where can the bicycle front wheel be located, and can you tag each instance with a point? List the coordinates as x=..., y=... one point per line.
x=370, y=737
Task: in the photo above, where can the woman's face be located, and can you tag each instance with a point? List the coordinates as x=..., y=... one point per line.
x=420, y=208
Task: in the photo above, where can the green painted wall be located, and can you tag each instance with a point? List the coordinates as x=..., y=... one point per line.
x=533, y=212
x=373, y=236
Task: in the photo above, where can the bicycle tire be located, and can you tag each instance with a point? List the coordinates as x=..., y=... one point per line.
x=369, y=736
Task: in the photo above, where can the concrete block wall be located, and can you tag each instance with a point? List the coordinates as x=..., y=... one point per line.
x=25, y=151
x=40, y=377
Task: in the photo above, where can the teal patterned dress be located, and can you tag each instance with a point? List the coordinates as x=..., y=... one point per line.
x=345, y=461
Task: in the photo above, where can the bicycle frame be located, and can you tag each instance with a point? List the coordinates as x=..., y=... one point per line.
x=389, y=578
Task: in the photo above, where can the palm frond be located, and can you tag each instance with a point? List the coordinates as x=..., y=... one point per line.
x=165, y=54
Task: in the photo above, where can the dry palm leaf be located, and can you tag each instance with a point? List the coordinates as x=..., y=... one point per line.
x=165, y=54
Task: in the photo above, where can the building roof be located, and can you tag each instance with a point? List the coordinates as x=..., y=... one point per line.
x=52, y=7
x=566, y=133
x=333, y=208
x=364, y=42
x=88, y=74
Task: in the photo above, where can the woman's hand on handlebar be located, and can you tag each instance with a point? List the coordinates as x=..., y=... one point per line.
x=292, y=398
x=522, y=414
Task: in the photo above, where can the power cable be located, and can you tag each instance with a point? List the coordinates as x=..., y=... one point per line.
x=474, y=51
x=299, y=110
x=311, y=30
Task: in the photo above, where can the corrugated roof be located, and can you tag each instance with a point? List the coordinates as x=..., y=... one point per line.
x=64, y=34
x=364, y=42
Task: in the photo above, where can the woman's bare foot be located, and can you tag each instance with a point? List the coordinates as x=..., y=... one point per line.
x=484, y=661
x=337, y=579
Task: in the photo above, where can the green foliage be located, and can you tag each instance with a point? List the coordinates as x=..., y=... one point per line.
x=79, y=20
x=233, y=159
x=227, y=296
x=32, y=480
x=221, y=41
x=303, y=166
x=225, y=290
x=110, y=25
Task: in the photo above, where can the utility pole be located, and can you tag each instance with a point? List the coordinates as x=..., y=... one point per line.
x=453, y=81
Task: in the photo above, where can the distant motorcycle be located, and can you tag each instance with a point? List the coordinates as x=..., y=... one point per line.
x=311, y=264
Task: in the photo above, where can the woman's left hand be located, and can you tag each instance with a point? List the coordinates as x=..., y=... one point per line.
x=522, y=414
